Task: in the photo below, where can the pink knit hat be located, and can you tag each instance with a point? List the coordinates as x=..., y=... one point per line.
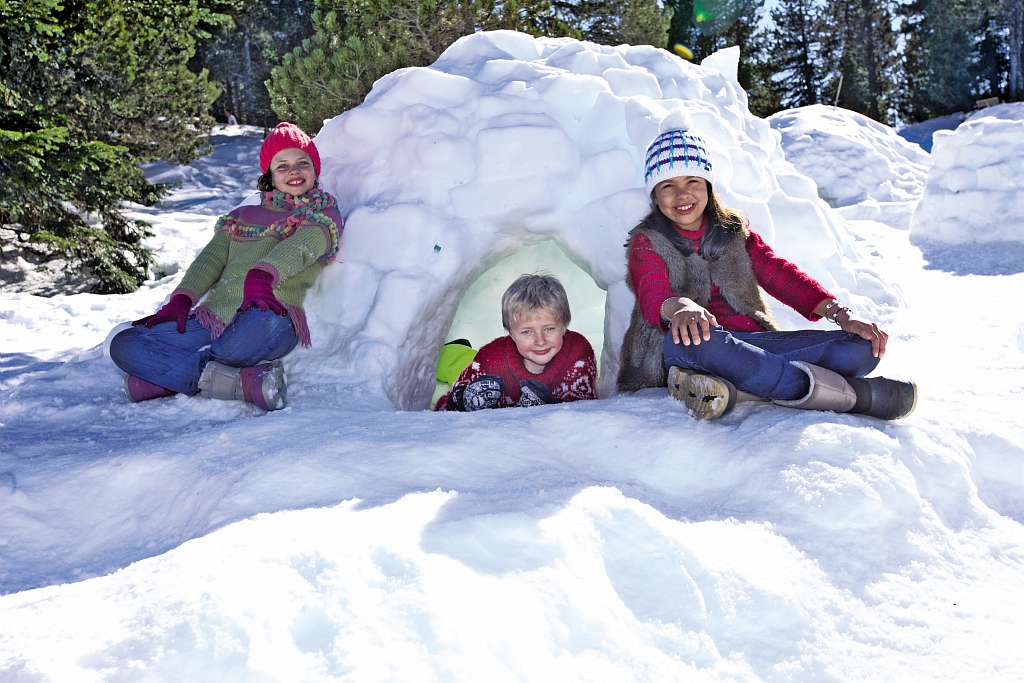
x=287, y=136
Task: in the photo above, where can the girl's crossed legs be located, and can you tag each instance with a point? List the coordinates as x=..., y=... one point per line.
x=760, y=362
x=175, y=361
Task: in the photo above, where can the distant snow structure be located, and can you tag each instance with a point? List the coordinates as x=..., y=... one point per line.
x=975, y=190
x=861, y=167
x=508, y=141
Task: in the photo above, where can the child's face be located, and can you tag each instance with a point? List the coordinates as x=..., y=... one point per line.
x=293, y=172
x=683, y=199
x=538, y=338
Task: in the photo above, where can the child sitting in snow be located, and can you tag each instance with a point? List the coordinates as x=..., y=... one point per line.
x=254, y=274
x=700, y=320
x=538, y=362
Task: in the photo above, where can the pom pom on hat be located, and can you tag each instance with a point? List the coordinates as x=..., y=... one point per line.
x=287, y=136
x=676, y=152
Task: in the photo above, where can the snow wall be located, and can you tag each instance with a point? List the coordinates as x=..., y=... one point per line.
x=975, y=189
x=507, y=141
x=862, y=167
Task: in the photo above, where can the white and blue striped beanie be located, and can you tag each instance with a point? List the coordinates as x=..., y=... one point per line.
x=675, y=153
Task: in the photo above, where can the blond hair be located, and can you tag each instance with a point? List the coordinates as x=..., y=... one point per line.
x=531, y=295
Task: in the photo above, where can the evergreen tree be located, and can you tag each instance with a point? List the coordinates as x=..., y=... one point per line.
x=796, y=47
x=938, y=50
x=89, y=89
x=860, y=42
x=706, y=26
x=241, y=54
x=355, y=42
x=614, y=22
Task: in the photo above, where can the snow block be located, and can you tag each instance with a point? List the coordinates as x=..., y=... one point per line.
x=507, y=141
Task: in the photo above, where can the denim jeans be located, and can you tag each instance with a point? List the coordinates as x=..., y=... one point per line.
x=175, y=361
x=760, y=362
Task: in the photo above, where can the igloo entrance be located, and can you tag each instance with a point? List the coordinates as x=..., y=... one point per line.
x=478, y=317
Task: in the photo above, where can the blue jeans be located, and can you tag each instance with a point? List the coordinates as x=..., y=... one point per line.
x=175, y=361
x=760, y=362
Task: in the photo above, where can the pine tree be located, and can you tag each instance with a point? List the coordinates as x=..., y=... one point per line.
x=614, y=22
x=355, y=42
x=796, y=46
x=860, y=41
x=938, y=51
x=243, y=51
x=89, y=89
x=706, y=26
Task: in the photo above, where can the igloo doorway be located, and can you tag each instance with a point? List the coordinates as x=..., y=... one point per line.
x=478, y=317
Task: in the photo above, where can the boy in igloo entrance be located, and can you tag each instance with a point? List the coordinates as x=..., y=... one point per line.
x=538, y=362
x=700, y=323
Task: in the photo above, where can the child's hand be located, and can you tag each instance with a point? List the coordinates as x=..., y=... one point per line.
x=176, y=310
x=482, y=393
x=258, y=291
x=690, y=321
x=533, y=392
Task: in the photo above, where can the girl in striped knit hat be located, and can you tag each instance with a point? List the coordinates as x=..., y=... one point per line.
x=700, y=323
x=238, y=309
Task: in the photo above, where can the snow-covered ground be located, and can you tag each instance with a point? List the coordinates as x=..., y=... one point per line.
x=612, y=540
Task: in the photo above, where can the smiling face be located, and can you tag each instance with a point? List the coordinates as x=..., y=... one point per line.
x=293, y=171
x=538, y=339
x=683, y=199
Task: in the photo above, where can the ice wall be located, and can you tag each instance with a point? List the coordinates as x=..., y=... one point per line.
x=860, y=166
x=510, y=140
x=975, y=190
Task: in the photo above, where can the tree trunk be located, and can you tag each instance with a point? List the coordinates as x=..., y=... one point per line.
x=867, y=9
x=248, y=114
x=1014, y=10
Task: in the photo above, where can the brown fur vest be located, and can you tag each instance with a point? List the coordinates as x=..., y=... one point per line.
x=642, y=360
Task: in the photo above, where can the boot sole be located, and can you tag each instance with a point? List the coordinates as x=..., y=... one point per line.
x=707, y=396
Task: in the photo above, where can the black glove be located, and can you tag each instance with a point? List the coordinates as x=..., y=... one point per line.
x=483, y=392
x=533, y=392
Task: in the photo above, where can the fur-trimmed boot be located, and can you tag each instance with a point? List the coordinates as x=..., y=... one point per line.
x=263, y=385
x=138, y=389
x=886, y=399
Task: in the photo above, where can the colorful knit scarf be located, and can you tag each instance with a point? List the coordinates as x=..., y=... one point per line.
x=306, y=208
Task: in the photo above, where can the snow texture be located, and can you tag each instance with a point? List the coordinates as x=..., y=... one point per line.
x=612, y=540
x=859, y=165
x=507, y=141
x=975, y=190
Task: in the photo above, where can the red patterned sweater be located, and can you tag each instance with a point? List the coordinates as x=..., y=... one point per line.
x=571, y=374
x=777, y=276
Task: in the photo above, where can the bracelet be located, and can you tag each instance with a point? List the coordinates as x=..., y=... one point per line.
x=661, y=311
x=833, y=317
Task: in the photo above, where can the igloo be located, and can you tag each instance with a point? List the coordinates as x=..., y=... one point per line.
x=510, y=142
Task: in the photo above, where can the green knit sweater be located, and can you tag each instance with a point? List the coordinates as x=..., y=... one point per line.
x=292, y=238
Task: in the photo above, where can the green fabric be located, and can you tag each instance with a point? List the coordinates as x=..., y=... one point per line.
x=454, y=359
x=291, y=245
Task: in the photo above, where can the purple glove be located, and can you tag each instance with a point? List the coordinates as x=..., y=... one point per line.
x=176, y=310
x=258, y=291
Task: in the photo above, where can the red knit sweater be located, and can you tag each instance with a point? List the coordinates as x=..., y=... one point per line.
x=777, y=276
x=571, y=374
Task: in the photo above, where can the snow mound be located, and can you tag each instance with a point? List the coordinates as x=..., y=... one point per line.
x=975, y=190
x=1011, y=111
x=507, y=141
x=860, y=165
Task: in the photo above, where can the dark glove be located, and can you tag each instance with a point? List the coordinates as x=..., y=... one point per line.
x=175, y=310
x=533, y=392
x=483, y=392
x=258, y=291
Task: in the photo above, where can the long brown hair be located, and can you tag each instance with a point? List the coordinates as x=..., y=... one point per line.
x=723, y=222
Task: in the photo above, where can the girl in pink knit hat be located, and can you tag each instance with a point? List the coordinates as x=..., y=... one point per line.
x=238, y=309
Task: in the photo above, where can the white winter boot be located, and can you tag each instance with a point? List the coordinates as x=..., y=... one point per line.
x=264, y=384
x=828, y=391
